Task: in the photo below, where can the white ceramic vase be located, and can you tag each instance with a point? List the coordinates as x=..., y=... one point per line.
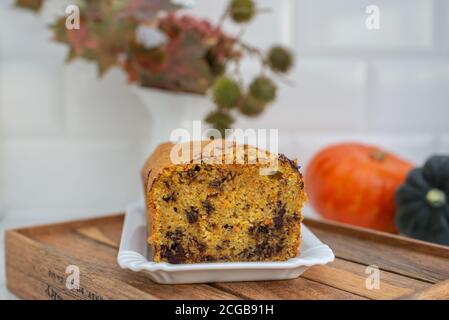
x=169, y=111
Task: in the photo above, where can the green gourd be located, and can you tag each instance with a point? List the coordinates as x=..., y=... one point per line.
x=423, y=202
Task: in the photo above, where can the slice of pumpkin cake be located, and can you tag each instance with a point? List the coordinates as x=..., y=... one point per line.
x=213, y=207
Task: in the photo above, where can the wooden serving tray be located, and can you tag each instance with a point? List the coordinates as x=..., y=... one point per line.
x=37, y=257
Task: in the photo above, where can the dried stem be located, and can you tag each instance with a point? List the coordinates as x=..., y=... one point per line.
x=264, y=63
x=282, y=78
x=223, y=17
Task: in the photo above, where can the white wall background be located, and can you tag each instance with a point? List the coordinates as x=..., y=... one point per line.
x=70, y=143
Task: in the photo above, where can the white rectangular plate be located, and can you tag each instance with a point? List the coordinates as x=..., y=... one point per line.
x=135, y=254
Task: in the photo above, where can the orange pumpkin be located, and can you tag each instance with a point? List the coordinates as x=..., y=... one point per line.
x=355, y=184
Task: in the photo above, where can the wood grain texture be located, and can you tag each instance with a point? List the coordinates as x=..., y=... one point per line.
x=407, y=257
x=299, y=288
x=351, y=277
x=439, y=291
x=46, y=257
x=36, y=259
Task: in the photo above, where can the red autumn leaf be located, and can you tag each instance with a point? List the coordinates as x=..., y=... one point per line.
x=80, y=39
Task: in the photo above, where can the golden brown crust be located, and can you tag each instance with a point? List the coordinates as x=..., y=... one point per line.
x=152, y=168
x=160, y=160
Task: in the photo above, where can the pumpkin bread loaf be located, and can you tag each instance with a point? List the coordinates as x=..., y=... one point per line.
x=204, y=210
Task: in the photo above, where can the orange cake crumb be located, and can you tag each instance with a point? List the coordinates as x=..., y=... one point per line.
x=204, y=212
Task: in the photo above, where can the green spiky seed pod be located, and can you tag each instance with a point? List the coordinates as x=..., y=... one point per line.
x=226, y=92
x=242, y=10
x=252, y=106
x=220, y=120
x=262, y=88
x=280, y=59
